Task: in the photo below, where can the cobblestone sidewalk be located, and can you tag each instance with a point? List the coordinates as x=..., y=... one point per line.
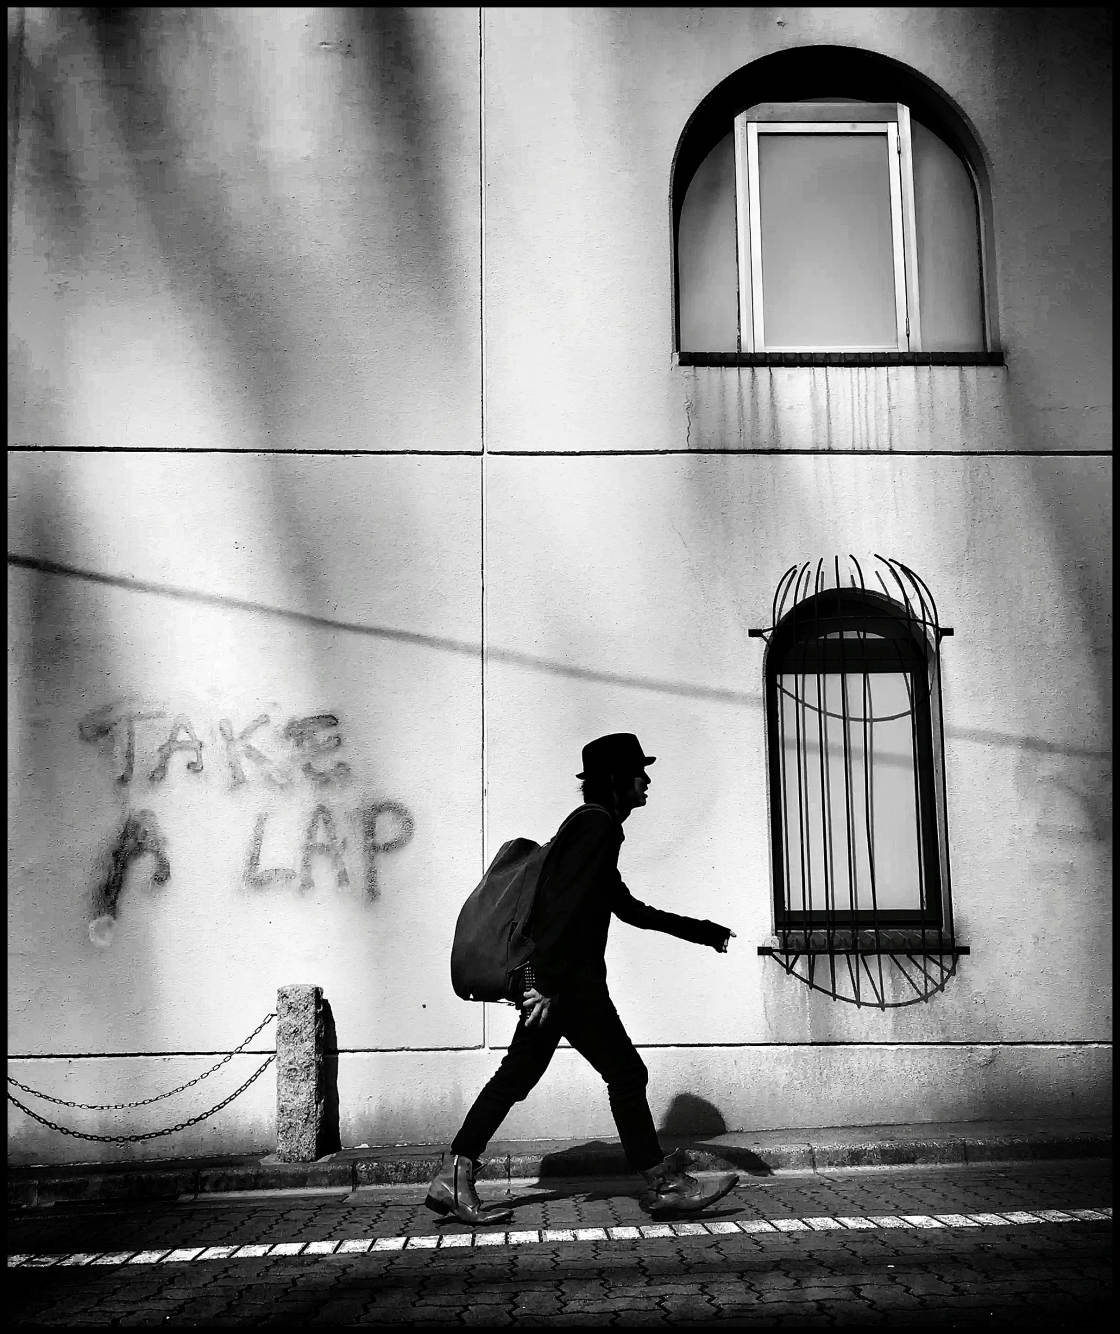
x=877, y=1247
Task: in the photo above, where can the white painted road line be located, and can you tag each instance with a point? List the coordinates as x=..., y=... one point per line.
x=185, y=1253
x=534, y=1236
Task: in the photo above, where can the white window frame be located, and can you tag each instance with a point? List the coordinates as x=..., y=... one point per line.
x=889, y=119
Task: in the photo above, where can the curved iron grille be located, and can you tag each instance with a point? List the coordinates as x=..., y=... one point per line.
x=862, y=904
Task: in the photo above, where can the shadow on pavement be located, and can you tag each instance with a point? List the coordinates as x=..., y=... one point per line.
x=598, y=1158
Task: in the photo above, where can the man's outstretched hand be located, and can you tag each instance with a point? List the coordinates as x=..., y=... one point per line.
x=727, y=941
x=535, y=1008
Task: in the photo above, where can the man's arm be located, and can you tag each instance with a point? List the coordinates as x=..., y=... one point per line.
x=699, y=930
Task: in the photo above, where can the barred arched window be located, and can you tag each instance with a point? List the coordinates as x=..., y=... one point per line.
x=856, y=780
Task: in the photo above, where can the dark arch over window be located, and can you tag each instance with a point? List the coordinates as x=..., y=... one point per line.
x=945, y=188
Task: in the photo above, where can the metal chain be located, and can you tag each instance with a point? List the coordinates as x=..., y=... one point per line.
x=151, y=1134
x=144, y=1102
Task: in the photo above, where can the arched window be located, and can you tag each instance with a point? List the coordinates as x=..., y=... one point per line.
x=827, y=223
x=856, y=784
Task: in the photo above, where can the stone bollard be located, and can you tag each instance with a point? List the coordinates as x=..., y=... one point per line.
x=299, y=1073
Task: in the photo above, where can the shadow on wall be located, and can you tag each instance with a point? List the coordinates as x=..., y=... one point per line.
x=198, y=236
x=689, y=1121
x=330, y=1139
x=175, y=90
x=394, y=55
x=468, y=647
x=660, y=685
x=690, y=1115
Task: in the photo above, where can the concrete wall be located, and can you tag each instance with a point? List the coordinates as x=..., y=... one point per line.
x=246, y=229
x=210, y=610
x=466, y=512
x=603, y=95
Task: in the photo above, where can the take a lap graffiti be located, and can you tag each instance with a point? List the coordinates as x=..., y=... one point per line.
x=151, y=747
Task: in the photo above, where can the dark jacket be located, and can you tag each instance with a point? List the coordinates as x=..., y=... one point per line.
x=579, y=890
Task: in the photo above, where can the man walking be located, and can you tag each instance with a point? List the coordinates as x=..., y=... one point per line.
x=565, y=995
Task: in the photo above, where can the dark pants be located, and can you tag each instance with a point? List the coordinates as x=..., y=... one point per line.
x=590, y=1023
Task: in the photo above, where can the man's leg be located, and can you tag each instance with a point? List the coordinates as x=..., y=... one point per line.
x=452, y=1190
x=592, y=1025
x=522, y=1066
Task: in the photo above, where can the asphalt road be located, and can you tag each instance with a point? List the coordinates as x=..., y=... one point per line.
x=954, y=1247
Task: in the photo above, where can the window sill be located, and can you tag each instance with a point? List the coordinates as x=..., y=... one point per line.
x=842, y=940
x=840, y=359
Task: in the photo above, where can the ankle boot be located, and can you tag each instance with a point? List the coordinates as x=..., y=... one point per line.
x=671, y=1192
x=452, y=1192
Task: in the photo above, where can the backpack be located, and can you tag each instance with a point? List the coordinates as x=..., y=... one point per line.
x=492, y=939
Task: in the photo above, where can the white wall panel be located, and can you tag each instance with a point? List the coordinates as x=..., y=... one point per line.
x=246, y=229
x=597, y=99
x=630, y=612
x=230, y=589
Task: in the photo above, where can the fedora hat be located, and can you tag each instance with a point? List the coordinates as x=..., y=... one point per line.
x=616, y=753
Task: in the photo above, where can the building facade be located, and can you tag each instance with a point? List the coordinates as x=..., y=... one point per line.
x=399, y=398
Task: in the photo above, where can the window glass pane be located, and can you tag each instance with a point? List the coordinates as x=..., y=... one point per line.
x=707, y=277
x=848, y=793
x=827, y=246
x=948, y=247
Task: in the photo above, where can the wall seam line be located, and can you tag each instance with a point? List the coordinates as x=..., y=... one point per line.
x=484, y=776
x=569, y=453
x=1102, y=1044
